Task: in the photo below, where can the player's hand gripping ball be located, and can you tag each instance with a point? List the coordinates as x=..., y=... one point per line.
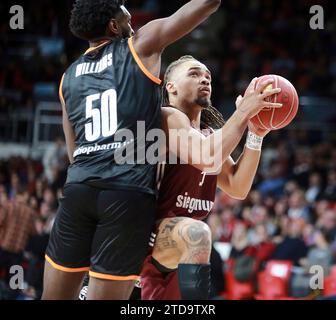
x=277, y=118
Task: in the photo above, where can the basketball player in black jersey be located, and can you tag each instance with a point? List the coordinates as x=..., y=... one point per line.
x=107, y=211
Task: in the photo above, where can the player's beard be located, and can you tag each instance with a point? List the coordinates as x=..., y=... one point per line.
x=203, y=102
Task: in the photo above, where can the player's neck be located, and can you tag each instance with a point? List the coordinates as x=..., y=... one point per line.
x=98, y=42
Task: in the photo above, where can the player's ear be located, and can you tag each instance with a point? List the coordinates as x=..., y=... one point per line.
x=171, y=87
x=113, y=27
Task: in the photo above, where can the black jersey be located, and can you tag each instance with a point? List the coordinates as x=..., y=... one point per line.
x=107, y=92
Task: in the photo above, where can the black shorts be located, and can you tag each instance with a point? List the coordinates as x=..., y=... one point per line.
x=105, y=232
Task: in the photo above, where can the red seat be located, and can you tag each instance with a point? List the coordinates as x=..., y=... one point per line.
x=333, y=271
x=279, y=268
x=330, y=283
x=236, y=290
x=273, y=282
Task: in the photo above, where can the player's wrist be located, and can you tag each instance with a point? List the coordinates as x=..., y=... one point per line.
x=253, y=141
x=241, y=117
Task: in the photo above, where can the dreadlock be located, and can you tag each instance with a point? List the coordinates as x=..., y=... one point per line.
x=210, y=116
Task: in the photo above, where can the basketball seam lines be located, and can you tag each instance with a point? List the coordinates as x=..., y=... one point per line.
x=290, y=111
x=275, y=100
x=261, y=123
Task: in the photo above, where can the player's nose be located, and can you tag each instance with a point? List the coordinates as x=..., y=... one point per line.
x=205, y=81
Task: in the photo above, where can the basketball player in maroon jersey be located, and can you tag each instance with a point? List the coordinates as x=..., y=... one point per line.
x=178, y=267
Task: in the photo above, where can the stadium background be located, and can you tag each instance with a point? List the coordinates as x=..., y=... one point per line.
x=290, y=215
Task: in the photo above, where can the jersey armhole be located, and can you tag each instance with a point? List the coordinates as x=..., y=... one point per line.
x=140, y=64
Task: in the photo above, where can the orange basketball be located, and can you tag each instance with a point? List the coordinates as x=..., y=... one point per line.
x=277, y=118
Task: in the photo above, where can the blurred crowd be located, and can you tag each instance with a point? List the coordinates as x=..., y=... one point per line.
x=29, y=193
x=289, y=215
x=243, y=40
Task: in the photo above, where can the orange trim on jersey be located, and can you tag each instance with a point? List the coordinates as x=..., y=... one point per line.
x=140, y=64
x=94, y=48
x=65, y=269
x=60, y=92
x=110, y=277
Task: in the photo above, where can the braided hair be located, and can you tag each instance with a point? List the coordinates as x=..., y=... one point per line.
x=210, y=116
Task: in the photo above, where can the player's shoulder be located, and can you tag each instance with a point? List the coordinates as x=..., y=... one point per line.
x=71, y=69
x=174, y=116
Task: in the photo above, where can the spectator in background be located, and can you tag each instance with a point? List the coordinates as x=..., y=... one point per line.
x=227, y=224
x=275, y=182
x=242, y=261
x=319, y=207
x=256, y=198
x=327, y=223
x=292, y=247
x=240, y=242
x=298, y=208
x=214, y=224
x=48, y=214
x=280, y=210
x=302, y=166
x=315, y=187
x=330, y=190
x=49, y=197
x=3, y=195
x=55, y=160
x=290, y=187
x=16, y=226
x=260, y=215
x=14, y=185
x=40, y=186
x=34, y=254
x=264, y=247
x=320, y=253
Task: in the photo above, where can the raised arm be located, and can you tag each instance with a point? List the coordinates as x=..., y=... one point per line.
x=193, y=148
x=236, y=179
x=154, y=37
x=187, y=143
x=158, y=34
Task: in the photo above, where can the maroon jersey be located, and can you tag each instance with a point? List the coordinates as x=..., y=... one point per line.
x=185, y=191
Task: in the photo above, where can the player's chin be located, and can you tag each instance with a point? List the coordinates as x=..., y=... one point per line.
x=204, y=101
